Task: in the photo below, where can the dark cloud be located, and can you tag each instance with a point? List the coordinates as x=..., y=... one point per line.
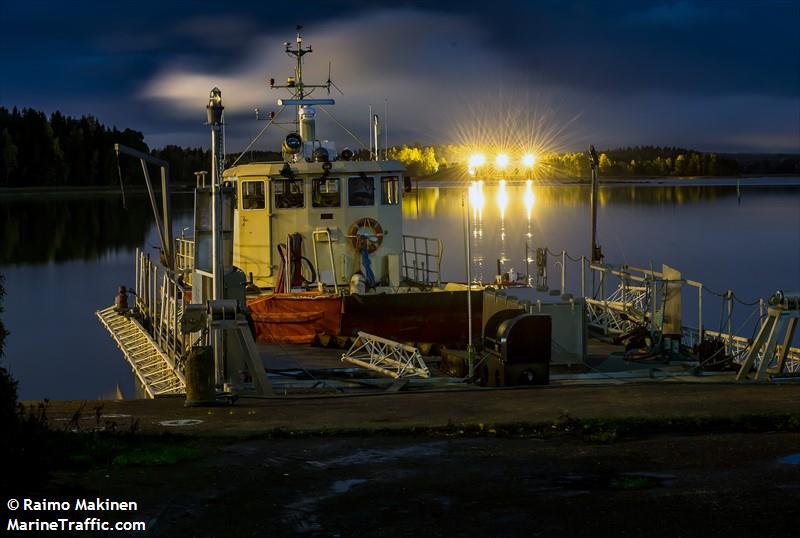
x=635, y=72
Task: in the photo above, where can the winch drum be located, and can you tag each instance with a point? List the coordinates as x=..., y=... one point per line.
x=523, y=344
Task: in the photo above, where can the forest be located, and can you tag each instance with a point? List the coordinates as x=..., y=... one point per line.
x=58, y=150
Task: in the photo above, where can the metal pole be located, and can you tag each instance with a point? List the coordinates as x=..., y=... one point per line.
x=527, y=263
x=470, y=350
x=563, y=272
x=138, y=263
x=624, y=282
x=369, y=123
x=654, y=292
x=700, y=312
x=729, y=296
x=214, y=110
x=377, y=132
x=583, y=276
x=595, y=254
x=605, y=300
x=167, y=215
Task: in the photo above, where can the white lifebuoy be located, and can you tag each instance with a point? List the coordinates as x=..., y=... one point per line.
x=366, y=229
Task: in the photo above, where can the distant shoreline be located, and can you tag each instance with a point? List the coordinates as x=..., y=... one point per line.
x=75, y=190
x=111, y=190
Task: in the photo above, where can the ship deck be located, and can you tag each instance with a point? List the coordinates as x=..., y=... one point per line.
x=301, y=368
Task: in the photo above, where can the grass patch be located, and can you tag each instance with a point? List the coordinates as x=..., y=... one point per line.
x=600, y=431
x=156, y=455
x=87, y=450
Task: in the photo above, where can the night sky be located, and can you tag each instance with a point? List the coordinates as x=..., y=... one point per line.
x=716, y=76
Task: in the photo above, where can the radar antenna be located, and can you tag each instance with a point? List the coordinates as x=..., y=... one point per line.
x=298, y=89
x=295, y=85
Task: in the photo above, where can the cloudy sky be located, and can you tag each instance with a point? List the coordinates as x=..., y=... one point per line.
x=712, y=75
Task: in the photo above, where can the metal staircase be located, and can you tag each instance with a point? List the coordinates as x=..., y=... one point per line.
x=156, y=372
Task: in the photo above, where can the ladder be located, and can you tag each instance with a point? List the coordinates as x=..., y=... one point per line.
x=156, y=372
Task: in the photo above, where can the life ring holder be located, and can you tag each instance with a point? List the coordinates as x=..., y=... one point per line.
x=357, y=235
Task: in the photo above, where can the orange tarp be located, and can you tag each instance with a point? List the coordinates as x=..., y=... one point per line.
x=295, y=318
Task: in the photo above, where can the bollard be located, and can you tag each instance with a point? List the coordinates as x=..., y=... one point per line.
x=199, y=372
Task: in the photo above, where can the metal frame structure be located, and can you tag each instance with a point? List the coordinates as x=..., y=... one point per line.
x=164, y=222
x=422, y=260
x=627, y=296
x=386, y=357
x=765, y=350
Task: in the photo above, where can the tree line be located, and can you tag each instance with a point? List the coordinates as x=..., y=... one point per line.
x=59, y=150
x=629, y=162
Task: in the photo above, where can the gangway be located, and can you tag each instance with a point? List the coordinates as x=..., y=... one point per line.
x=157, y=374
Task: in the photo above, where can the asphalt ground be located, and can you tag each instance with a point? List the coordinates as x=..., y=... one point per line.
x=636, y=459
x=401, y=411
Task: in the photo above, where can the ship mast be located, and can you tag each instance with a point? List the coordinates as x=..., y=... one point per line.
x=300, y=90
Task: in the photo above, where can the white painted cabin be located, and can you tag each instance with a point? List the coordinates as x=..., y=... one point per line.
x=271, y=203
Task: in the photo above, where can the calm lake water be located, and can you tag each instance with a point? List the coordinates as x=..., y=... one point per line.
x=64, y=256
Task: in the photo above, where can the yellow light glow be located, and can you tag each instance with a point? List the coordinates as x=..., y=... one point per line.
x=477, y=160
x=530, y=199
x=529, y=160
x=476, y=198
x=502, y=198
x=501, y=160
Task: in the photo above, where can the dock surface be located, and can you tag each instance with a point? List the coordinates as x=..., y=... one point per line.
x=402, y=411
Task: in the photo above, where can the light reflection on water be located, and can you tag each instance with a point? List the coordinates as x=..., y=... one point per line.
x=704, y=231
x=751, y=246
x=64, y=257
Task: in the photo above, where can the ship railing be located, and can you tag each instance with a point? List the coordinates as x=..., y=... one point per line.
x=184, y=258
x=690, y=336
x=422, y=260
x=619, y=298
x=146, y=291
x=167, y=330
x=159, y=302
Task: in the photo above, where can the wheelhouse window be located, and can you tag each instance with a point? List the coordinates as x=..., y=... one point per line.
x=390, y=190
x=288, y=193
x=361, y=191
x=326, y=192
x=253, y=195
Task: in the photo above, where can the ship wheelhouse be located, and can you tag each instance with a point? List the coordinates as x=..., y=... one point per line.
x=339, y=208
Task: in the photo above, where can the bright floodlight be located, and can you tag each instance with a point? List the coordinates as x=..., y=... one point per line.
x=476, y=160
x=501, y=161
x=528, y=160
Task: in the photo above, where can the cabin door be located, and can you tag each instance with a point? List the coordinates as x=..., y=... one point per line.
x=254, y=255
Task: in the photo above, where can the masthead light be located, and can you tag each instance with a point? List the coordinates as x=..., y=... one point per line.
x=215, y=108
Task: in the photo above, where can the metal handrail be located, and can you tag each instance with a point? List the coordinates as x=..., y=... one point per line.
x=160, y=305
